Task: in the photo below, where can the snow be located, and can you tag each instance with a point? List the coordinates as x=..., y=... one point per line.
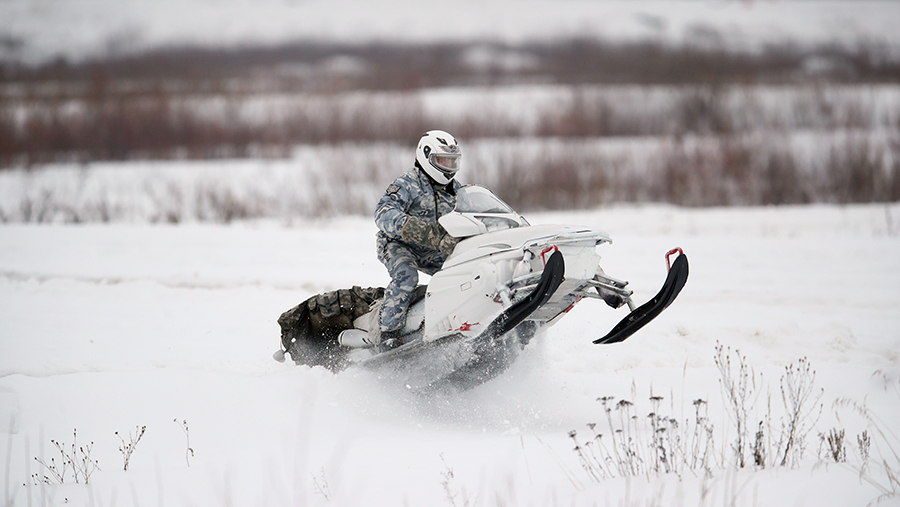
x=46, y=29
x=105, y=328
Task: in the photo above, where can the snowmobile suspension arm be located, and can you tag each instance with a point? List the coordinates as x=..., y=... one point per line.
x=610, y=284
x=594, y=295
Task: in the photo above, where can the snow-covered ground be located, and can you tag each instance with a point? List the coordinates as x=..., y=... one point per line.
x=107, y=328
x=40, y=30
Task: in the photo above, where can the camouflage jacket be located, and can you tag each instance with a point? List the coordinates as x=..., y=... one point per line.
x=412, y=194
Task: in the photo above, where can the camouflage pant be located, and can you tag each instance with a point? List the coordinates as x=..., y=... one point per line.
x=404, y=267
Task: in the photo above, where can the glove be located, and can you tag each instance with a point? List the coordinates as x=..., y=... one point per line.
x=427, y=234
x=421, y=232
x=448, y=243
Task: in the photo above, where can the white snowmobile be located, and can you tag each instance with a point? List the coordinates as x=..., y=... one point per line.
x=505, y=281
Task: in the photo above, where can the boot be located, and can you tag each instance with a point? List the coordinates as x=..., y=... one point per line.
x=389, y=340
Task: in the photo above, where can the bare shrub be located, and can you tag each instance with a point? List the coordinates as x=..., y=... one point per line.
x=585, y=116
x=9, y=149
x=188, y=451
x=739, y=176
x=878, y=464
x=802, y=409
x=559, y=181
x=99, y=211
x=739, y=390
x=759, y=447
x=37, y=209
x=531, y=174
x=556, y=179
x=743, y=171
x=701, y=111
x=106, y=124
x=864, y=441
x=481, y=122
x=700, y=445
x=685, y=177
x=855, y=173
x=623, y=456
x=74, y=459
x=453, y=492
x=106, y=118
x=832, y=444
x=127, y=448
x=666, y=446
x=663, y=446
x=720, y=143
x=665, y=439
x=221, y=205
x=321, y=485
x=781, y=181
x=593, y=459
x=892, y=187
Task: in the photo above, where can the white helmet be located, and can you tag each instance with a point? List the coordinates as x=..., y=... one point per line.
x=438, y=154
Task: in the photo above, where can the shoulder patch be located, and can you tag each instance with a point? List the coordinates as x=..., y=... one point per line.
x=392, y=188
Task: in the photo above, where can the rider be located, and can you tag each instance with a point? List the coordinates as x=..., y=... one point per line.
x=409, y=237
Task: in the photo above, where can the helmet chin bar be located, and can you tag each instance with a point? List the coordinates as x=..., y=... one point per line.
x=439, y=176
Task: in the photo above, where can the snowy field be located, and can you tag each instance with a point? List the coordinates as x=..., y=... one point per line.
x=108, y=328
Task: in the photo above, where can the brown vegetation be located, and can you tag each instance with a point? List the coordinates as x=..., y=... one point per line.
x=262, y=102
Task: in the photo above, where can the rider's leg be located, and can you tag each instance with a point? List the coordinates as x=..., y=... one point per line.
x=403, y=268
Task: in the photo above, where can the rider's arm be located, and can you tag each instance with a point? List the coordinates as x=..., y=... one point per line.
x=393, y=218
x=391, y=212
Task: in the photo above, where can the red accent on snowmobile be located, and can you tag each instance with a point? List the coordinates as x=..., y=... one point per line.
x=551, y=248
x=675, y=250
x=466, y=326
x=577, y=300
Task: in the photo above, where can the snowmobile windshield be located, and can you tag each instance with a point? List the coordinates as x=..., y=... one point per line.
x=477, y=199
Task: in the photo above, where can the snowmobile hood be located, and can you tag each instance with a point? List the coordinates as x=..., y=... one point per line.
x=521, y=238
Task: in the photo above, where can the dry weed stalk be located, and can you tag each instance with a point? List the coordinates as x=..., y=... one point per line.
x=128, y=448
x=76, y=459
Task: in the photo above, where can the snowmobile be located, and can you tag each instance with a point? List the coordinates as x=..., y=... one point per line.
x=505, y=281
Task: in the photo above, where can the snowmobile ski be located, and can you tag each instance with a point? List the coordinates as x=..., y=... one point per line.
x=515, y=314
x=643, y=314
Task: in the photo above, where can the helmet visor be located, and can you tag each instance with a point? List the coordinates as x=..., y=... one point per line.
x=445, y=162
